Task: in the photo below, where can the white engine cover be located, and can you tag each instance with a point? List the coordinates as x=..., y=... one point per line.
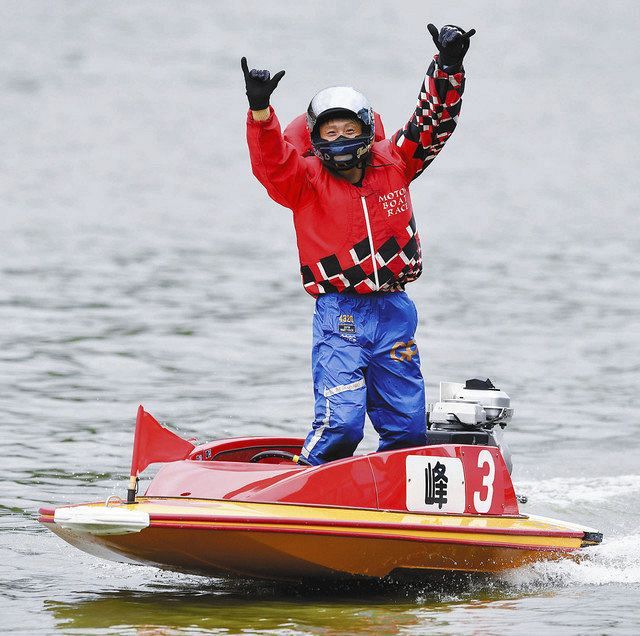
x=495, y=402
x=469, y=413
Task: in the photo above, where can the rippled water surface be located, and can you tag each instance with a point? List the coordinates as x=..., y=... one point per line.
x=141, y=263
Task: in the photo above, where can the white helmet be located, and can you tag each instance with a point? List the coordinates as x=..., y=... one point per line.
x=342, y=153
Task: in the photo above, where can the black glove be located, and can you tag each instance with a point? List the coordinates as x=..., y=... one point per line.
x=259, y=85
x=452, y=43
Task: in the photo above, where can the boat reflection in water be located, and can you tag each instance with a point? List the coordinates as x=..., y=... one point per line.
x=370, y=609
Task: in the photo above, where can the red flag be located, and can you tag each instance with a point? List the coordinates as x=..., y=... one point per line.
x=155, y=443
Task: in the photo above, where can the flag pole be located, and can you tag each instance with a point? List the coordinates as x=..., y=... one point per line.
x=133, y=473
x=133, y=488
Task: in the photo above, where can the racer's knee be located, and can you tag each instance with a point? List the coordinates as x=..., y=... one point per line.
x=333, y=444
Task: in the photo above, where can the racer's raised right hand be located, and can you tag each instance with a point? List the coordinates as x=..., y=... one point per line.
x=260, y=85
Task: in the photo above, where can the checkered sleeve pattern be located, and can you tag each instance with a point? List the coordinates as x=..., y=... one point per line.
x=398, y=261
x=433, y=121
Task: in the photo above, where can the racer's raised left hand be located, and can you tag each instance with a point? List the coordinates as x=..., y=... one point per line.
x=452, y=43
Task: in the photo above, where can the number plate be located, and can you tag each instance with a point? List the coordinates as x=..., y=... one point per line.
x=435, y=484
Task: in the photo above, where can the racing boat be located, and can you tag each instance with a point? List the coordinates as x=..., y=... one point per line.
x=250, y=507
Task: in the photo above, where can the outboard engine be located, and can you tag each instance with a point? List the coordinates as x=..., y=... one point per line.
x=469, y=414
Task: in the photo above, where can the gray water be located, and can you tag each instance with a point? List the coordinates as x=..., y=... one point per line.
x=140, y=262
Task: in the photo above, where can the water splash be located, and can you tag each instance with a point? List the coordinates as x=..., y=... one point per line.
x=616, y=561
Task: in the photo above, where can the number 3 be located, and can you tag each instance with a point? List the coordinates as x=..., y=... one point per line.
x=483, y=505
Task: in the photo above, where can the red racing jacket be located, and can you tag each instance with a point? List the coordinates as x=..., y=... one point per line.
x=359, y=239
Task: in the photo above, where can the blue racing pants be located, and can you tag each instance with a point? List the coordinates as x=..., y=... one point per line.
x=365, y=360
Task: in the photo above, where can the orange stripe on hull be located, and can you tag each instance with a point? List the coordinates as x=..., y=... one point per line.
x=160, y=520
x=292, y=530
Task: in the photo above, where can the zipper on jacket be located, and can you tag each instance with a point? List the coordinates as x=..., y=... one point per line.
x=373, y=254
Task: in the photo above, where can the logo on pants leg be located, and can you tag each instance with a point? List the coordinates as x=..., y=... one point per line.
x=347, y=327
x=404, y=351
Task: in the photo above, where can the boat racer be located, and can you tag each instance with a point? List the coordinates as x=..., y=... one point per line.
x=358, y=244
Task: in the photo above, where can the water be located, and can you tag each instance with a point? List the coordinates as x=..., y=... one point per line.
x=141, y=263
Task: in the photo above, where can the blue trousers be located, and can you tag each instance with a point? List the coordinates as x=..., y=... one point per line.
x=365, y=360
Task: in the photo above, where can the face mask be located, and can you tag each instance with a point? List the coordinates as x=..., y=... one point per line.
x=343, y=153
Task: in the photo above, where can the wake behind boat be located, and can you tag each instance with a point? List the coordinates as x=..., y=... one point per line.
x=243, y=508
